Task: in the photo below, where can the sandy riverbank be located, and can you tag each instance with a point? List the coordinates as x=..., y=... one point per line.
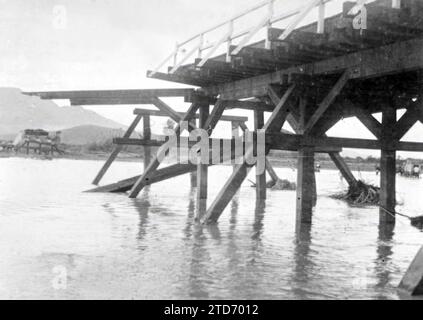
x=278, y=162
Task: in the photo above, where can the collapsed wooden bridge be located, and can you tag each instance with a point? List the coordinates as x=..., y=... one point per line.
x=367, y=59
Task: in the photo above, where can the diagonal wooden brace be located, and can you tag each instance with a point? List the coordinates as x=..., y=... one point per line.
x=155, y=163
x=116, y=151
x=335, y=156
x=370, y=122
x=175, y=116
x=407, y=121
x=275, y=122
x=326, y=103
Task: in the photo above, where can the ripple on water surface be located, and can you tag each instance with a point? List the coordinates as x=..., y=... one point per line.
x=150, y=247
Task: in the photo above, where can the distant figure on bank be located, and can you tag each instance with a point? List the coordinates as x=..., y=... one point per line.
x=416, y=172
x=377, y=170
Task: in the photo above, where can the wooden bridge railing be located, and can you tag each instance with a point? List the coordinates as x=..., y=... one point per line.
x=271, y=17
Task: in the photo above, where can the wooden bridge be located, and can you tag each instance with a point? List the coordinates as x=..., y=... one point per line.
x=366, y=59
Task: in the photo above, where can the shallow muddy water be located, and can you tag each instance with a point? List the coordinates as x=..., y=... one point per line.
x=106, y=246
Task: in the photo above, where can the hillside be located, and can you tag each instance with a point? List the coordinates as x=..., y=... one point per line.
x=84, y=135
x=18, y=112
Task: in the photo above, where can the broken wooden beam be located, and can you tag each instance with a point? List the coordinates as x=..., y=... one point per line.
x=112, y=94
x=158, y=176
x=282, y=141
x=158, y=113
x=155, y=163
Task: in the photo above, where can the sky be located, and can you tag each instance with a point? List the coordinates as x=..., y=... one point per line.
x=108, y=44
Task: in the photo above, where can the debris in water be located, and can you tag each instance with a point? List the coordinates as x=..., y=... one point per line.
x=280, y=184
x=361, y=194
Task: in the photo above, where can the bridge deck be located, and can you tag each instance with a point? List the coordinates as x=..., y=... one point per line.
x=390, y=45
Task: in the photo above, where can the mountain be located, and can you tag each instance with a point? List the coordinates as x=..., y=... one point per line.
x=19, y=112
x=83, y=135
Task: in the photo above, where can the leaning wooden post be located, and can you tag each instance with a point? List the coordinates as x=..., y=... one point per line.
x=202, y=169
x=343, y=168
x=147, y=136
x=388, y=166
x=274, y=124
x=260, y=176
x=116, y=151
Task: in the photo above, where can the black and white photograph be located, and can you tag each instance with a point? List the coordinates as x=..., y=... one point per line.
x=208, y=151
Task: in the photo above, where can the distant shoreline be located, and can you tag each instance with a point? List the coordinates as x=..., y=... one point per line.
x=277, y=162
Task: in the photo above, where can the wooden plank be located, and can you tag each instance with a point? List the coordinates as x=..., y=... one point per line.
x=248, y=105
x=116, y=151
x=155, y=163
x=109, y=101
x=106, y=94
x=403, y=56
x=289, y=145
x=283, y=141
x=158, y=113
x=179, y=79
x=333, y=93
x=184, y=141
x=137, y=142
x=158, y=176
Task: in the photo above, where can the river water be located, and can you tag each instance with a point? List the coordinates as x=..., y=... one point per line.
x=57, y=242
